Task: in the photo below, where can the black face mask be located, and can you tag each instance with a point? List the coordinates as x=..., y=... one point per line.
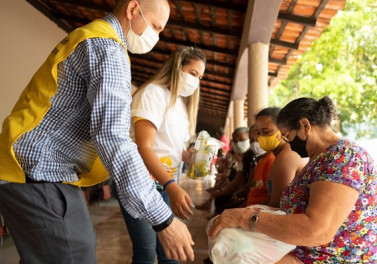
x=298, y=145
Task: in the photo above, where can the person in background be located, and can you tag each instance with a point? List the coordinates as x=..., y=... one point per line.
x=74, y=108
x=164, y=111
x=223, y=138
x=331, y=204
x=240, y=145
x=225, y=171
x=239, y=196
x=282, y=168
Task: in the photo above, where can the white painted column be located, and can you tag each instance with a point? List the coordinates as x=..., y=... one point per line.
x=257, y=80
x=238, y=111
x=231, y=127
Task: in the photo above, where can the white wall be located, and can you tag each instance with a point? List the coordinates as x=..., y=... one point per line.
x=27, y=37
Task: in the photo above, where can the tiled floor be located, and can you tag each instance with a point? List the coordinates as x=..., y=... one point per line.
x=113, y=242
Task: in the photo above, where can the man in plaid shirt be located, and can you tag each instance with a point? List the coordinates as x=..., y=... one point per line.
x=80, y=112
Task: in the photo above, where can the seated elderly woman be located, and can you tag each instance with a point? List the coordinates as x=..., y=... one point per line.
x=331, y=205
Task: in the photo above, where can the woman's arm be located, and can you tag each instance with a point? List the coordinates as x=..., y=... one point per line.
x=145, y=133
x=329, y=206
x=230, y=187
x=245, y=189
x=284, y=169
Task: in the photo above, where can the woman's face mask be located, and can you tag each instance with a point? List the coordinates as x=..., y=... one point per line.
x=143, y=43
x=269, y=143
x=258, y=151
x=299, y=146
x=242, y=146
x=189, y=84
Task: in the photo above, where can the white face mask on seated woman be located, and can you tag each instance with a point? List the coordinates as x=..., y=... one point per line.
x=189, y=84
x=242, y=146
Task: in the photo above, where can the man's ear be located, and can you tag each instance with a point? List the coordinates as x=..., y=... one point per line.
x=131, y=9
x=304, y=123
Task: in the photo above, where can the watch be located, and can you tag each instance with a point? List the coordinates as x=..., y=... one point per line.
x=163, y=225
x=253, y=220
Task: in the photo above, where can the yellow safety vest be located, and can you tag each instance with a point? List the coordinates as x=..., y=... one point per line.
x=34, y=103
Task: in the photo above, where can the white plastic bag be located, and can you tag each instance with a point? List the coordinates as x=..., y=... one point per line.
x=205, y=150
x=238, y=246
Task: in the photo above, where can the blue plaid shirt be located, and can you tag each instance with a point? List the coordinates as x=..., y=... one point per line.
x=90, y=114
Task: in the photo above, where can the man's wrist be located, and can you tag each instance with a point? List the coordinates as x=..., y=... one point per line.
x=163, y=225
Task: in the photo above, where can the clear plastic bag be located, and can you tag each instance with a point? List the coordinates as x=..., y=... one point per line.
x=238, y=246
x=205, y=150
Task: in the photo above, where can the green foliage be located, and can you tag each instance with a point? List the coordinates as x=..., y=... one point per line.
x=342, y=64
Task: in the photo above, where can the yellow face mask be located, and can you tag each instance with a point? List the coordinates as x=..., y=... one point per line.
x=269, y=143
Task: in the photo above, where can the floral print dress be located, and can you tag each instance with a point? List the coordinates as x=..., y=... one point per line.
x=355, y=241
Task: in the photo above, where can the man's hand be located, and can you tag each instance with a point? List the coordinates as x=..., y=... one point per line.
x=176, y=241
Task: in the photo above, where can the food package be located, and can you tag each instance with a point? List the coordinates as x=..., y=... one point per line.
x=205, y=149
x=239, y=246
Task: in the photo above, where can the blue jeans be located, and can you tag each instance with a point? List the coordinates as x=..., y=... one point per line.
x=145, y=243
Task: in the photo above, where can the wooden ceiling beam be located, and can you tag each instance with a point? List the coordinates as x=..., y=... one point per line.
x=321, y=6
x=198, y=22
x=86, y=4
x=211, y=111
x=201, y=27
x=213, y=107
x=228, y=5
x=277, y=61
x=215, y=81
x=168, y=52
x=221, y=102
x=214, y=103
x=142, y=77
x=285, y=44
x=273, y=74
x=171, y=22
x=215, y=96
x=149, y=58
x=44, y=10
x=199, y=45
x=306, y=21
x=225, y=92
x=152, y=67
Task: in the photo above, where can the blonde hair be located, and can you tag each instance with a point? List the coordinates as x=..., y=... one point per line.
x=170, y=76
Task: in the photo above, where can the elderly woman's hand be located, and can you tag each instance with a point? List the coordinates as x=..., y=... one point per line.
x=238, y=217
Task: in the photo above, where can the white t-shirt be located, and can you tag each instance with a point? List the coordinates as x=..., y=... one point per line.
x=172, y=124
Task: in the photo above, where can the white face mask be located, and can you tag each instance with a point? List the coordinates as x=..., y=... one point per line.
x=242, y=146
x=257, y=149
x=189, y=84
x=143, y=43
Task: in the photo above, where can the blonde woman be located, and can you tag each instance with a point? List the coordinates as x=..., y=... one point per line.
x=164, y=112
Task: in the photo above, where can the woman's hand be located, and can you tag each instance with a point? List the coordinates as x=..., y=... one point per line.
x=238, y=217
x=180, y=201
x=187, y=155
x=237, y=196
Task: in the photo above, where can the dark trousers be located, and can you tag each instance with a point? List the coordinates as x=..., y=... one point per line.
x=145, y=243
x=223, y=202
x=49, y=222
